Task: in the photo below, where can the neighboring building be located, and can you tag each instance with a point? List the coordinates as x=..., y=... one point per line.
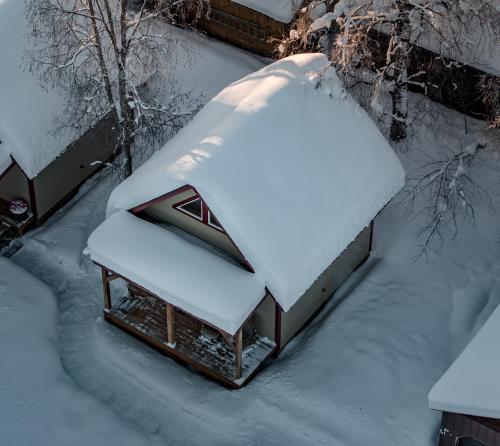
x=250, y=24
x=238, y=231
x=468, y=393
x=37, y=165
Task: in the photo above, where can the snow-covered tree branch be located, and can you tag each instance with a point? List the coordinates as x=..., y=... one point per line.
x=111, y=58
x=375, y=42
x=382, y=49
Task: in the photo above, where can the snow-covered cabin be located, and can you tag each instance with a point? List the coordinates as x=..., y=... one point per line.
x=37, y=165
x=234, y=235
x=468, y=393
x=250, y=24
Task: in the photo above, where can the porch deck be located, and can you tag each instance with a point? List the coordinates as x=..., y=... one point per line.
x=17, y=226
x=195, y=344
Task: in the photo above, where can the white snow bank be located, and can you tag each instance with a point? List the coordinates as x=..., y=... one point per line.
x=470, y=386
x=39, y=404
x=184, y=274
x=280, y=10
x=292, y=172
x=27, y=112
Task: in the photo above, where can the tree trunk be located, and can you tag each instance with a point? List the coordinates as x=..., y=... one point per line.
x=397, y=62
x=127, y=111
x=399, y=97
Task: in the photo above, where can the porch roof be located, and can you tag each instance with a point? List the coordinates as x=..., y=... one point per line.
x=176, y=270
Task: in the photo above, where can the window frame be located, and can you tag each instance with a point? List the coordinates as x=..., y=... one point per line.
x=180, y=207
x=206, y=213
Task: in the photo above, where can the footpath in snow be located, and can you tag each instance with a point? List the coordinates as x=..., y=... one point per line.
x=358, y=375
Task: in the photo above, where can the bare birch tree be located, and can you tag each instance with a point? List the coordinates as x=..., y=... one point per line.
x=110, y=60
x=377, y=42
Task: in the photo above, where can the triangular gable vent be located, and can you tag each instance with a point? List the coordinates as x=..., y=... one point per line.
x=196, y=208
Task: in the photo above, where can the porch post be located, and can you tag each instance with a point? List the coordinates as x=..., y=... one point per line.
x=238, y=353
x=170, y=325
x=277, y=328
x=106, y=289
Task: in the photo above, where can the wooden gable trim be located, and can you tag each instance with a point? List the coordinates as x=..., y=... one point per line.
x=135, y=210
x=159, y=199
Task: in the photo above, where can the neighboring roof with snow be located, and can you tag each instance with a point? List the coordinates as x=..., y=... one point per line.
x=176, y=270
x=27, y=112
x=281, y=10
x=293, y=170
x=470, y=385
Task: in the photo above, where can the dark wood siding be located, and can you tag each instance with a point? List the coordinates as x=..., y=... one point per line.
x=62, y=178
x=458, y=429
x=243, y=27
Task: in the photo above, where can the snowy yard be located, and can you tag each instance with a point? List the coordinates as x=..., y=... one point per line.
x=358, y=375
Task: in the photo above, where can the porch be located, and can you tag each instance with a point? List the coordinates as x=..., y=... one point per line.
x=231, y=360
x=182, y=298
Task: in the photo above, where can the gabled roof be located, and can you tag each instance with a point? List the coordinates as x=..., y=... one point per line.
x=293, y=170
x=281, y=10
x=26, y=111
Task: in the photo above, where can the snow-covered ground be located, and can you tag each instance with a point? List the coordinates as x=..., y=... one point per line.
x=358, y=375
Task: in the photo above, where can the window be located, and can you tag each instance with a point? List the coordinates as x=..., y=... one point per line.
x=212, y=221
x=193, y=208
x=196, y=208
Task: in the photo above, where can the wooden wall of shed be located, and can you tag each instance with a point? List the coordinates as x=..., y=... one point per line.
x=164, y=211
x=62, y=178
x=293, y=320
x=14, y=185
x=265, y=318
x=446, y=81
x=242, y=26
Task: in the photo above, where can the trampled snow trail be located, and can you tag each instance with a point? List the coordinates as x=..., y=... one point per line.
x=358, y=375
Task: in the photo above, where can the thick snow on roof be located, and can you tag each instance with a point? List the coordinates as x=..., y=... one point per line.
x=184, y=274
x=27, y=112
x=280, y=10
x=470, y=386
x=292, y=172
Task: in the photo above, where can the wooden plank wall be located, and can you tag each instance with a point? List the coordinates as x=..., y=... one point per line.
x=242, y=27
x=455, y=427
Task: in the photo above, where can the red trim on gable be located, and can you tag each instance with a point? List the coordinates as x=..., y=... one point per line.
x=204, y=211
x=178, y=191
x=161, y=198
